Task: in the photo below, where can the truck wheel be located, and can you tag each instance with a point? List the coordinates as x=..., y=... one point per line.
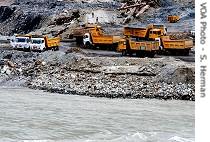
x=88, y=45
x=130, y=53
x=53, y=49
x=186, y=52
x=124, y=53
x=140, y=54
x=56, y=48
x=26, y=49
x=151, y=54
x=44, y=49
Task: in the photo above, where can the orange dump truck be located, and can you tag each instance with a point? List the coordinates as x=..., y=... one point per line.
x=143, y=33
x=42, y=43
x=179, y=46
x=173, y=18
x=158, y=33
x=78, y=33
x=95, y=38
x=140, y=48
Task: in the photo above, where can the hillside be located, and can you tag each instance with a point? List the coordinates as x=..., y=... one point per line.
x=24, y=16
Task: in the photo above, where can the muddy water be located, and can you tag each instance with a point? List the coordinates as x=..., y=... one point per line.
x=35, y=116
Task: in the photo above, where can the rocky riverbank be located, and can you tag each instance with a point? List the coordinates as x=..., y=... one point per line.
x=112, y=77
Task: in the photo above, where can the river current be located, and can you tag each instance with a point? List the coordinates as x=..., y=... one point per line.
x=36, y=116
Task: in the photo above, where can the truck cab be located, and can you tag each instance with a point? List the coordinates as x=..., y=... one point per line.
x=155, y=34
x=20, y=42
x=87, y=39
x=37, y=44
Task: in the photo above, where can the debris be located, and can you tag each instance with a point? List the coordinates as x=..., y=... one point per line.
x=74, y=50
x=10, y=64
x=134, y=9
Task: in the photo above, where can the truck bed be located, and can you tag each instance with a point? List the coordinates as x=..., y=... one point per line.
x=52, y=42
x=177, y=44
x=135, y=32
x=104, y=39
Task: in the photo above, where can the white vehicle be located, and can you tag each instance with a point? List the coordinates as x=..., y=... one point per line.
x=20, y=42
x=37, y=44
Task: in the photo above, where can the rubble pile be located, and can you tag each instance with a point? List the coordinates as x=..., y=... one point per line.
x=102, y=76
x=135, y=8
x=180, y=35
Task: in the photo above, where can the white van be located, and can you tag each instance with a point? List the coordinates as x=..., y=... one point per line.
x=20, y=42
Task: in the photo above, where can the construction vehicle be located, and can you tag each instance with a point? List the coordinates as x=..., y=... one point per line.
x=140, y=48
x=42, y=43
x=34, y=42
x=141, y=41
x=144, y=33
x=20, y=42
x=158, y=33
x=173, y=18
x=78, y=33
x=95, y=38
x=179, y=47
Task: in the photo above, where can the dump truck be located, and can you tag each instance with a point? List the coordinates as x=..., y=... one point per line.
x=176, y=46
x=20, y=42
x=79, y=32
x=155, y=33
x=42, y=43
x=173, y=18
x=140, y=48
x=143, y=33
x=96, y=39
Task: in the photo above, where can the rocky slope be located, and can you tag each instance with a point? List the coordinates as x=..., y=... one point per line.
x=24, y=16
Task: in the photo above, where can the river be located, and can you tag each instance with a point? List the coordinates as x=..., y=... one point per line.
x=36, y=116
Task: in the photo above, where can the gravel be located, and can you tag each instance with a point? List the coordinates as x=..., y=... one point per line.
x=112, y=77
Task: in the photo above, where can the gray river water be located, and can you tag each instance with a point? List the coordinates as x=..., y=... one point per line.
x=35, y=116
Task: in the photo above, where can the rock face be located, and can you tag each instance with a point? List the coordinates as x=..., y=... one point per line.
x=24, y=16
x=5, y=13
x=14, y=20
x=75, y=73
